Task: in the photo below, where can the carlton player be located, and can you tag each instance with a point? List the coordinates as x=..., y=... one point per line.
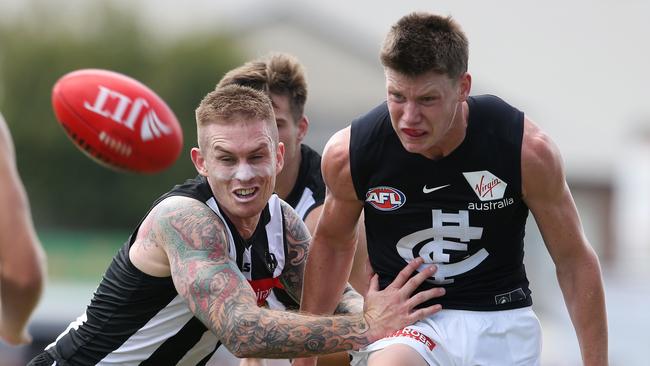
x=451, y=178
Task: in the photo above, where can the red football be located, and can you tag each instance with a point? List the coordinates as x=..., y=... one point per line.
x=117, y=120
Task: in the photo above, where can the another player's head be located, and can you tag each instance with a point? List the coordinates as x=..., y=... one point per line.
x=425, y=60
x=283, y=78
x=238, y=151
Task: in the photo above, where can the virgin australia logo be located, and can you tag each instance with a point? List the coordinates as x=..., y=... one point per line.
x=486, y=185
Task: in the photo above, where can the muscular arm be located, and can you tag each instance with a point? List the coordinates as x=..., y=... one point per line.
x=333, y=246
x=578, y=271
x=217, y=293
x=22, y=260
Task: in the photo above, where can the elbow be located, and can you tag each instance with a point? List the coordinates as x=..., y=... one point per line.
x=245, y=349
x=239, y=353
x=28, y=282
x=244, y=335
x=27, y=276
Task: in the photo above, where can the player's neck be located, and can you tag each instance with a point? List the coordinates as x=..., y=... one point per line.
x=246, y=226
x=286, y=180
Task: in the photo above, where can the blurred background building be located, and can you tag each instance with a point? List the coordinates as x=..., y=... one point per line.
x=579, y=69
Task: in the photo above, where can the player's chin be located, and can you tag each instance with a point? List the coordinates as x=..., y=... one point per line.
x=415, y=147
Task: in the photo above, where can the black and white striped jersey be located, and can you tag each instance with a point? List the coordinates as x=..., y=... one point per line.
x=307, y=194
x=138, y=319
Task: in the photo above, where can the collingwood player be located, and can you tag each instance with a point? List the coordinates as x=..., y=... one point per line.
x=191, y=276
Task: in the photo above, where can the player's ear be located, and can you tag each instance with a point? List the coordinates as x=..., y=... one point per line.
x=279, y=157
x=199, y=161
x=465, y=85
x=303, y=127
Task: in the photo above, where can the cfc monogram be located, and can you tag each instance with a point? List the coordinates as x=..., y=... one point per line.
x=121, y=109
x=436, y=247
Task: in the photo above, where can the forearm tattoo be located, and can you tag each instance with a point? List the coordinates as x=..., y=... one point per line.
x=219, y=295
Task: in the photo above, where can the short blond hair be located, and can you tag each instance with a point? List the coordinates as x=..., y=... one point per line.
x=230, y=103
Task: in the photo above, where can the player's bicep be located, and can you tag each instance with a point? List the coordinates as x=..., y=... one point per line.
x=342, y=207
x=196, y=244
x=547, y=195
x=298, y=238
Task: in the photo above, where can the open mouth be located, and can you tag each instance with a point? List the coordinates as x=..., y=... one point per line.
x=245, y=192
x=413, y=133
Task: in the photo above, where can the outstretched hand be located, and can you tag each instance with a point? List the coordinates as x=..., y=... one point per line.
x=393, y=308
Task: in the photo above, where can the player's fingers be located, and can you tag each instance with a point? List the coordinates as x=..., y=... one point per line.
x=374, y=283
x=406, y=272
x=414, y=282
x=424, y=296
x=423, y=313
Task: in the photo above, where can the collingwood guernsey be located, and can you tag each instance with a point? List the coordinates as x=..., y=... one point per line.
x=138, y=319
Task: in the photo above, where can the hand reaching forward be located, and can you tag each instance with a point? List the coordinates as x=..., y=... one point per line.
x=393, y=308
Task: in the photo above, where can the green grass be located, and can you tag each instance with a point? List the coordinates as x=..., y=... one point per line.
x=80, y=256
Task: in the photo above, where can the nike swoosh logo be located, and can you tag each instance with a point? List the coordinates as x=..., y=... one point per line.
x=429, y=190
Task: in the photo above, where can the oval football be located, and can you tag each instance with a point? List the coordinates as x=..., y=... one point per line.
x=117, y=121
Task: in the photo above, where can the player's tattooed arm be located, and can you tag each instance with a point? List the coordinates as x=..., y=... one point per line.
x=298, y=239
x=216, y=292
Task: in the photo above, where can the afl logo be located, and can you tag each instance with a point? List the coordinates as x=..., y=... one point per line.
x=385, y=198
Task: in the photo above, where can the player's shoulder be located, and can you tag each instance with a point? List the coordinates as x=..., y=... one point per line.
x=287, y=209
x=493, y=108
x=181, y=211
x=540, y=155
x=537, y=144
x=337, y=149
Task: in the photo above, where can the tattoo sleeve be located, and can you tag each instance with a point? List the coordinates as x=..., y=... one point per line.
x=218, y=294
x=298, y=238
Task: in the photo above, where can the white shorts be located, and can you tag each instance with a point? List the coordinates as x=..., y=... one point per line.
x=461, y=337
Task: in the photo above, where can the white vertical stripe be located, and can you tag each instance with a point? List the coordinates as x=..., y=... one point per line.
x=212, y=203
x=275, y=233
x=202, y=348
x=305, y=202
x=166, y=323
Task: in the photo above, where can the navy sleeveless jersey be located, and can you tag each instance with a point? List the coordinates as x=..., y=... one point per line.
x=463, y=212
x=137, y=319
